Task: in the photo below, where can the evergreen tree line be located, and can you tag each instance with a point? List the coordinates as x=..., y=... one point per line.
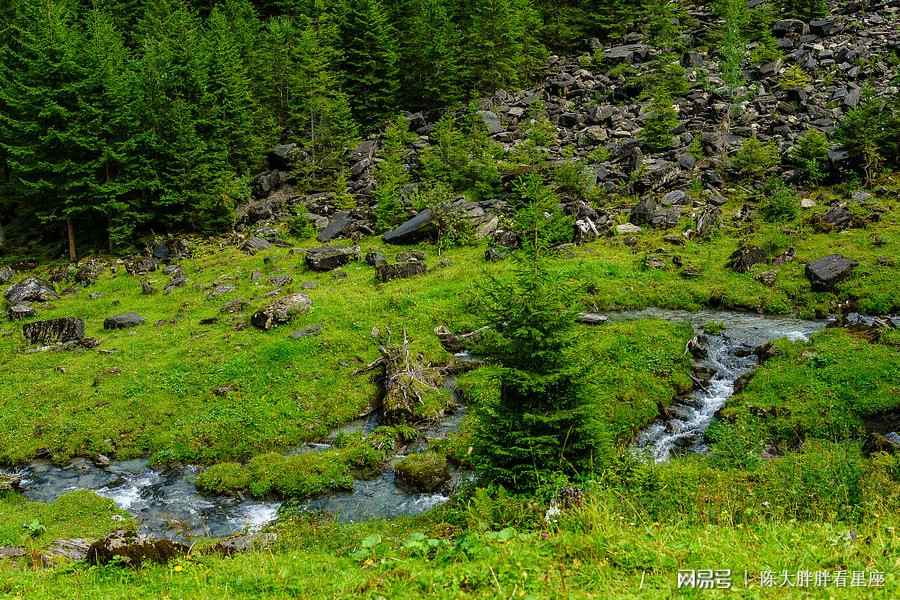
x=125, y=116
x=120, y=117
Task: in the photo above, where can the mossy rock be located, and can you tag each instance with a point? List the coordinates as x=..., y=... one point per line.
x=422, y=473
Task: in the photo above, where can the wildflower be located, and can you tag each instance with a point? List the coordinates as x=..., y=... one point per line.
x=767, y=455
x=766, y=503
x=178, y=568
x=853, y=535
x=552, y=513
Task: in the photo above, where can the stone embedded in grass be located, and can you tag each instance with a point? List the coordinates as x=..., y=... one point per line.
x=281, y=280
x=66, y=329
x=74, y=550
x=20, y=312
x=328, y=258
x=825, y=273
x=123, y=321
x=31, y=289
x=281, y=311
x=415, y=230
x=238, y=544
x=743, y=259
x=133, y=549
x=310, y=331
x=255, y=244
x=385, y=273
x=6, y=275
x=627, y=228
x=11, y=552
x=422, y=473
x=835, y=219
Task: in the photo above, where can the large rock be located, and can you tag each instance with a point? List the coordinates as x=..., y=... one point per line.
x=328, y=258
x=31, y=289
x=835, y=219
x=384, y=272
x=743, y=259
x=282, y=158
x=123, y=321
x=644, y=212
x=255, y=244
x=339, y=226
x=708, y=220
x=66, y=329
x=413, y=231
x=20, y=312
x=424, y=473
x=825, y=273
x=6, y=274
x=133, y=549
x=281, y=311
x=491, y=121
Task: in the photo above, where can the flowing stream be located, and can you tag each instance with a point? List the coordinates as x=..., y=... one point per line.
x=167, y=503
x=729, y=355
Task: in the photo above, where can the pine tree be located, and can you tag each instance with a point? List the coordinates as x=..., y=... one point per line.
x=805, y=10
x=432, y=56
x=391, y=176
x=542, y=425
x=499, y=43
x=41, y=101
x=369, y=60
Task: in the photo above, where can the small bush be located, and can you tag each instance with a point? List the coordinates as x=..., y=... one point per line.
x=794, y=77
x=810, y=154
x=661, y=122
x=781, y=202
x=754, y=159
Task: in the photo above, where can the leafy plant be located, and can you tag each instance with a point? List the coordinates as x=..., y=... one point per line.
x=754, y=159
x=810, y=153
x=34, y=527
x=794, y=77
x=781, y=202
x=661, y=122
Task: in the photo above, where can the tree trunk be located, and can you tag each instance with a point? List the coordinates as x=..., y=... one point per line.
x=71, y=230
x=109, y=224
x=2, y=236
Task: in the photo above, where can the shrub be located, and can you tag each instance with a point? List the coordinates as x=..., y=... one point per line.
x=871, y=129
x=805, y=10
x=661, y=122
x=781, y=202
x=810, y=154
x=794, y=77
x=453, y=228
x=754, y=159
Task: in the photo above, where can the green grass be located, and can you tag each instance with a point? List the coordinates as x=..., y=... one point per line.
x=736, y=509
x=72, y=515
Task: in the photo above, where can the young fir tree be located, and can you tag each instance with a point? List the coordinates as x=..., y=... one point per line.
x=391, y=176
x=499, y=43
x=432, y=56
x=369, y=60
x=542, y=426
x=806, y=10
